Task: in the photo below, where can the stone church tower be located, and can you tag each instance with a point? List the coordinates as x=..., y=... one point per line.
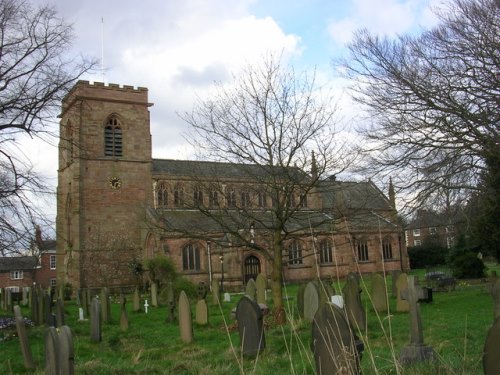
x=103, y=182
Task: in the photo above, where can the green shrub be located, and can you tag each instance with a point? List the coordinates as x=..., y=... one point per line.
x=161, y=269
x=467, y=266
x=187, y=286
x=427, y=255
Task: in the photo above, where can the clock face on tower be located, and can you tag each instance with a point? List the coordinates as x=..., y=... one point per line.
x=115, y=183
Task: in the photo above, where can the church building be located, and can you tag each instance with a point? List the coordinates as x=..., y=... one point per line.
x=118, y=206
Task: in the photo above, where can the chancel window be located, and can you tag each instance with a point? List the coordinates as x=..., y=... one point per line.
x=325, y=252
x=178, y=196
x=231, y=198
x=386, y=249
x=261, y=199
x=213, y=198
x=245, y=199
x=162, y=195
x=295, y=253
x=191, y=258
x=198, y=197
x=363, y=251
x=113, y=138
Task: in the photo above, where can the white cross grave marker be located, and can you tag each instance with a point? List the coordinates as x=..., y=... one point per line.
x=146, y=305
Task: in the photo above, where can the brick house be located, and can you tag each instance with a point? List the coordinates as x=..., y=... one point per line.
x=117, y=205
x=431, y=227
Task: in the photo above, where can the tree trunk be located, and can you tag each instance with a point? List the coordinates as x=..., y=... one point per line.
x=277, y=279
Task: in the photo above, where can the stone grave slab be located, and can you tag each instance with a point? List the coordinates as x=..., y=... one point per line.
x=261, y=286
x=251, y=289
x=379, y=293
x=250, y=327
x=311, y=301
x=352, y=300
x=201, y=312
x=185, y=319
x=23, y=339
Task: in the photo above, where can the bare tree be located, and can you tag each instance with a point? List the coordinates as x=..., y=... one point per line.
x=433, y=102
x=35, y=72
x=265, y=125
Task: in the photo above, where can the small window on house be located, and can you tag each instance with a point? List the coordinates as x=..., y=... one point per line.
x=213, y=198
x=387, y=249
x=16, y=275
x=417, y=243
x=363, y=251
x=162, y=195
x=295, y=253
x=52, y=262
x=113, y=138
x=191, y=258
x=245, y=199
x=53, y=283
x=325, y=252
x=432, y=230
x=416, y=232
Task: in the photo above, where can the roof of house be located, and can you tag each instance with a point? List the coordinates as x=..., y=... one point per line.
x=18, y=263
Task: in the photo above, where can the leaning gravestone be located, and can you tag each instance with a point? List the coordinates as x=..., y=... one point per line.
x=185, y=319
x=95, y=321
x=333, y=343
x=261, y=285
x=352, y=300
x=251, y=289
x=379, y=293
x=202, y=312
x=51, y=351
x=137, y=301
x=65, y=355
x=401, y=285
x=250, y=327
x=416, y=351
x=495, y=293
x=23, y=339
x=311, y=301
x=215, y=292
x=491, y=350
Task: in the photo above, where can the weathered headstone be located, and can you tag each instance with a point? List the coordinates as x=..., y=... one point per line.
x=491, y=350
x=300, y=299
x=416, y=351
x=311, y=301
x=23, y=339
x=105, y=306
x=124, y=323
x=250, y=326
x=379, y=293
x=495, y=293
x=95, y=321
x=202, y=312
x=154, y=294
x=51, y=351
x=227, y=297
x=59, y=313
x=81, y=316
x=401, y=285
x=352, y=299
x=336, y=349
x=170, y=302
x=41, y=306
x=261, y=285
x=251, y=289
x=215, y=292
x=34, y=306
x=185, y=319
x=85, y=302
x=65, y=355
x=136, y=301
x=394, y=278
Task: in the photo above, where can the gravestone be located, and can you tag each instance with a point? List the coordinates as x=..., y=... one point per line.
x=25, y=291
x=51, y=351
x=336, y=349
x=95, y=321
x=227, y=297
x=47, y=309
x=8, y=299
x=85, y=301
x=170, y=302
x=124, y=323
x=65, y=355
x=202, y=312
x=23, y=339
x=105, y=306
x=81, y=316
x=394, y=278
x=137, y=301
x=251, y=289
x=416, y=351
x=379, y=293
x=325, y=291
x=261, y=286
x=202, y=290
x=495, y=293
x=146, y=305
x=154, y=294
x=491, y=350
x=185, y=319
x=215, y=292
x=250, y=327
x=41, y=306
x=311, y=301
x=34, y=306
x=402, y=284
x=59, y=313
x=300, y=299
x=352, y=300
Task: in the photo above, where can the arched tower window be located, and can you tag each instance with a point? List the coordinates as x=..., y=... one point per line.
x=113, y=137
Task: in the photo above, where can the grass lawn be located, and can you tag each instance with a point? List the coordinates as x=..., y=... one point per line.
x=455, y=325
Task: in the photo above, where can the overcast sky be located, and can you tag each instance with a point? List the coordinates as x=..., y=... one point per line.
x=178, y=48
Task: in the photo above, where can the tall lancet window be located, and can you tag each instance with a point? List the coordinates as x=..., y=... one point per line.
x=113, y=138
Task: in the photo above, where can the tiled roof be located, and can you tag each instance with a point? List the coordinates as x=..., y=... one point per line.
x=18, y=263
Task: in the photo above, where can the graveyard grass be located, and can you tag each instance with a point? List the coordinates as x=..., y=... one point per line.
x=455, y=325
